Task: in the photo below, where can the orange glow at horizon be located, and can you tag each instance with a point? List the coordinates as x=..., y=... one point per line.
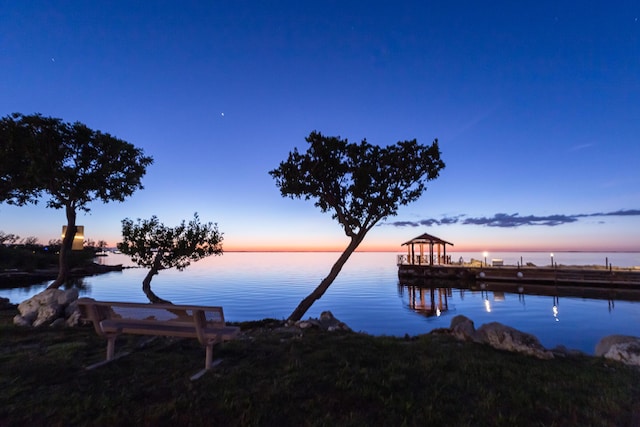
x=387, y=244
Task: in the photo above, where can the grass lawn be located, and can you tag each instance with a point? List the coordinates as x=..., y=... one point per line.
x=273, y=377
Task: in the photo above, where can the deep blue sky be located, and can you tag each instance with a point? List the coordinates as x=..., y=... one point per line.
x=536, y=107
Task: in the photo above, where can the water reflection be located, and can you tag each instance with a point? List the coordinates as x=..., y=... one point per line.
x=21, y=293
x=427, y=301
x=487, y=303
x=432, y=297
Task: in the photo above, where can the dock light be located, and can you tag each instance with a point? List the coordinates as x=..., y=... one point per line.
x=486, y=254
x=551, y=259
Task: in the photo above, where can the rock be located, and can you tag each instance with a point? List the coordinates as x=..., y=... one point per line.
x=330, y=323
x=605, y=343
x=507, y=338
x=623, y=348
x=463, y=328
x=326, y=322
x=46, y=307
x=68, y=296
x=21, y=321
x=304, y=324
x=47, y=314
x=72, y=314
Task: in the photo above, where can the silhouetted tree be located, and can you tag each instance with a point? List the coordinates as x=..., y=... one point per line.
x=153, y=245
x=102, y=245
x=8, y=239
x=68, y=162
x=29, y=241
x=359, y=183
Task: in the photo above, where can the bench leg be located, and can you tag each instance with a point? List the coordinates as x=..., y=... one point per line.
x=111, y=346
x=209, y=356
x=208, y=362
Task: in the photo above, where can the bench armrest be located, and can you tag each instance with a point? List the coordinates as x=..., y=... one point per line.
x=200, y=320
x=91, y=312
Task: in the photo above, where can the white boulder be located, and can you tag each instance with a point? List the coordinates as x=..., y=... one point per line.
x=46, y=307
x=507, y=338
x=498, y=336
x=463, y=328
x=623, y=348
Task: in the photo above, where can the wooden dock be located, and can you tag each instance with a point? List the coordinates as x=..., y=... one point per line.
x=621, y=278
x=427, y=265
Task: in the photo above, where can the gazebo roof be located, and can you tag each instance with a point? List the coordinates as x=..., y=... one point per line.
x=427, y=238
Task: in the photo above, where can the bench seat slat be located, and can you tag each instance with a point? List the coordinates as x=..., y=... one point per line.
x=182, y=329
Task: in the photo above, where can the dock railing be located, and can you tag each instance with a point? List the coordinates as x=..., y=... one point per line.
x=404, y=259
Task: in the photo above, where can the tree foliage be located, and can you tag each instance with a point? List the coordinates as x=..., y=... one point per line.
x=360, y=184
x=153, y=245
x=69, y=164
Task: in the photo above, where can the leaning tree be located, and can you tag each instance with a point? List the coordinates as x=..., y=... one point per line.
x=153, y=245
x=69, y=164
x=360, y=184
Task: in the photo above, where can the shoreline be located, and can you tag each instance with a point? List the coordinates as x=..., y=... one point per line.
x=17, y=278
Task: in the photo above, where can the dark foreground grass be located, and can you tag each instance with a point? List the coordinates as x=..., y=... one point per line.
x=277, y=378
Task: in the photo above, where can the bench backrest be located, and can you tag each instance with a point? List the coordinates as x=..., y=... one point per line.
x=97, y=311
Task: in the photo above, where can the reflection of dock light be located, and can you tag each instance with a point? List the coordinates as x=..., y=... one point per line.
x=555, y=313
x=520, y=289
x=487, y=305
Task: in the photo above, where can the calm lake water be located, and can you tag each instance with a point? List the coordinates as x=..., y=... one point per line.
x=368, y=296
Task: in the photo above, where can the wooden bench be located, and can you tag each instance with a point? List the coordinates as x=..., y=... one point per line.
x=111, y=319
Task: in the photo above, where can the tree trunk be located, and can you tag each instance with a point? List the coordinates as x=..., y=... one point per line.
x=317, y=293
x=146, y=283
x=65, y=249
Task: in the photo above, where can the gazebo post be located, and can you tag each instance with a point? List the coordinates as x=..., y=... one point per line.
x=431, y=253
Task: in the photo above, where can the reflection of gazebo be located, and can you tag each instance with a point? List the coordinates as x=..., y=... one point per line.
x=437, y=250
x=427, y=305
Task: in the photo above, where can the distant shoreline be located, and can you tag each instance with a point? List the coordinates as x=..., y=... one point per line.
x=17, y=278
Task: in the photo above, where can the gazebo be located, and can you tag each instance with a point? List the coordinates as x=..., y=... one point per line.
x=437, y=250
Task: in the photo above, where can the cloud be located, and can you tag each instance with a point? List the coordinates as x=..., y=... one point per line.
x=580, y=147
x=628, y=212
x=513, y=220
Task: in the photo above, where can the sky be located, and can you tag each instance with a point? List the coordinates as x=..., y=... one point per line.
x=536, y=107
